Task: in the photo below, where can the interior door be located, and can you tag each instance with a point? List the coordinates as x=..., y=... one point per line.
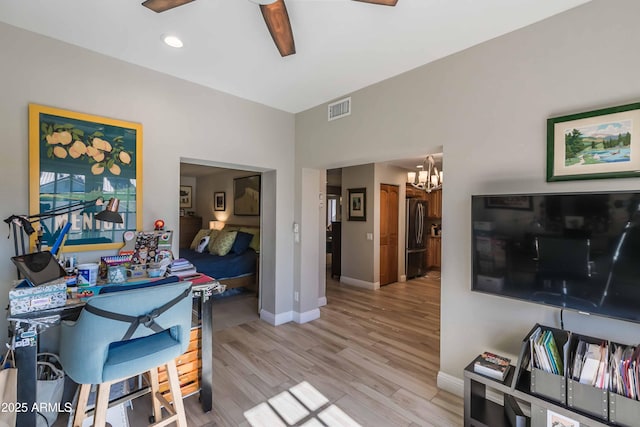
x=389, y=208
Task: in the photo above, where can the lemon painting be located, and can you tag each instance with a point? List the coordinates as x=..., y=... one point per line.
x=83, y=158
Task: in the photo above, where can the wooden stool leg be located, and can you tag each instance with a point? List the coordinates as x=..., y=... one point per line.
x=155, y=388
x=81, y=405
x=102, y=404
x=176, y=393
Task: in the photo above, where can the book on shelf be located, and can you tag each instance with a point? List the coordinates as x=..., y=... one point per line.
x=624, y=369
x=492, y=365
x=591, y=364
x=544, y=352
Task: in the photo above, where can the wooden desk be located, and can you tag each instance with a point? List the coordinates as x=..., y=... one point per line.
x=25, y=327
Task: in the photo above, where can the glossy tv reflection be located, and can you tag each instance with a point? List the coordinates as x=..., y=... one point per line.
x=575, y=250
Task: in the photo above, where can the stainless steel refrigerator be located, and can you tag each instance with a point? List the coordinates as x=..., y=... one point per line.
x=416, y=238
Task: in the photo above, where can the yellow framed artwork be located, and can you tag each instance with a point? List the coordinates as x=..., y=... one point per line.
x=76, y=157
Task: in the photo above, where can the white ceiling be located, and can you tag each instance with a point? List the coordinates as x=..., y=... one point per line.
x=342, y=45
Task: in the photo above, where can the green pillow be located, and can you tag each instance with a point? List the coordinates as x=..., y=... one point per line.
x=212, y=239
x=199, y=236
x=223, y=243
x=255, y=242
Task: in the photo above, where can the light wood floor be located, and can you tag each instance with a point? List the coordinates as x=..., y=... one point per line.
x=235, y=310
x=373, y=354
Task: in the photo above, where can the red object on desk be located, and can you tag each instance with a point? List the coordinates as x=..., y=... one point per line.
x=200, y=279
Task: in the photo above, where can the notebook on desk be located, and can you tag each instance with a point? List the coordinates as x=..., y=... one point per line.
x=39, y=267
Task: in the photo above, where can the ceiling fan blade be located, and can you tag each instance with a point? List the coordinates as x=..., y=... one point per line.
x=277, y=19
x=162, y=5
x=382, y=2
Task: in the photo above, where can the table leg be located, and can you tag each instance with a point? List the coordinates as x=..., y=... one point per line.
x=206, y=385
x=26, y=363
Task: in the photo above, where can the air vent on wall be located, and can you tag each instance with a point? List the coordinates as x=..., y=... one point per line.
x=339, y=109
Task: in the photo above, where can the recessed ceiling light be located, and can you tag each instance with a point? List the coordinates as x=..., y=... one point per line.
x=172, y=41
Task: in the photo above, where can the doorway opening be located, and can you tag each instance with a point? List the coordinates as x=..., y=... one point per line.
x=220, y=228
x=371, y=246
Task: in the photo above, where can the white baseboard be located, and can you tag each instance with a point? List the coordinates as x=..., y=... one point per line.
x=307, y=316
x=322, y=301
x=276, y=319
x=453, y=385
x=359, y=283
x=279, y=319
x=403, y=278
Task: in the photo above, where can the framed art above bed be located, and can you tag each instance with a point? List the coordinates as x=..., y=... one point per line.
x=246, y=196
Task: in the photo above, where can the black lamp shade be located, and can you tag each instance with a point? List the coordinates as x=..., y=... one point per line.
x=110, y=213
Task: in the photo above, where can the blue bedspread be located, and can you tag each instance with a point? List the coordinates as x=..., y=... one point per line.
x=222, y=267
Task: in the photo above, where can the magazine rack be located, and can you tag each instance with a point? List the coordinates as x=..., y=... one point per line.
x=545, y=395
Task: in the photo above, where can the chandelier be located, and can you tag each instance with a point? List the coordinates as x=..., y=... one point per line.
x=427, y=177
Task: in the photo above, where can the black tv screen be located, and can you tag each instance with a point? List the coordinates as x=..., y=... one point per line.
x=574, y=250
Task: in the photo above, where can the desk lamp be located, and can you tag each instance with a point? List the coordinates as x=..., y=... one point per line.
x=24, y=222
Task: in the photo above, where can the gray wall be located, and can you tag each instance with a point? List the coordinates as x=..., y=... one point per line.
x=216, y=182
x=487, y=106
x=180, y=121
x=357, y=251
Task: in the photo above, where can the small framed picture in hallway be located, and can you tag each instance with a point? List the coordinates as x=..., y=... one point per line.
x=357, y=204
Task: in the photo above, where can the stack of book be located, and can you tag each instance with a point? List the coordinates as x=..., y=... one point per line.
x=624, y=368
x=590, y=364
x=492, y=365
x=182, y=268
x=544, y=352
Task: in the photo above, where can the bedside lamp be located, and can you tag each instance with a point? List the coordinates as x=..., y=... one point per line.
x=216, y=225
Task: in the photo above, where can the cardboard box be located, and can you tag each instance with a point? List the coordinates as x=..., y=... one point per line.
x=588, y=398
x=623, y=411
x=34, y=298
x=549, y=385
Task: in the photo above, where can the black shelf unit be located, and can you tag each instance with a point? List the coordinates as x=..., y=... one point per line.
x=482, y=412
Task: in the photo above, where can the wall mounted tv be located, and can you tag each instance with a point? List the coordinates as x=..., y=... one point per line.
x=575, y=250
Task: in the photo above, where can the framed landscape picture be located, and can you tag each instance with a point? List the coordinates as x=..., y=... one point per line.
x=246, y=196
x=595, y=144
x=219, y=201
x=77, y=158
x=357, y=204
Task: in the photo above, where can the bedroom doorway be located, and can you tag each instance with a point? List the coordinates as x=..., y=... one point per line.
x=222, y=238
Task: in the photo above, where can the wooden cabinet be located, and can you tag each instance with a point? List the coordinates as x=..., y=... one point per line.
x=414, y=193
x=189, y=227
x=434, y=253
x=434, y=200
x=189, y=365
x=434, y=207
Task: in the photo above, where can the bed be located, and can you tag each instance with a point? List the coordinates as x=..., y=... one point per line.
x=234, y=262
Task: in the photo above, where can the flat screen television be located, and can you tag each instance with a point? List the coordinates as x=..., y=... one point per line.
x=574, y=250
